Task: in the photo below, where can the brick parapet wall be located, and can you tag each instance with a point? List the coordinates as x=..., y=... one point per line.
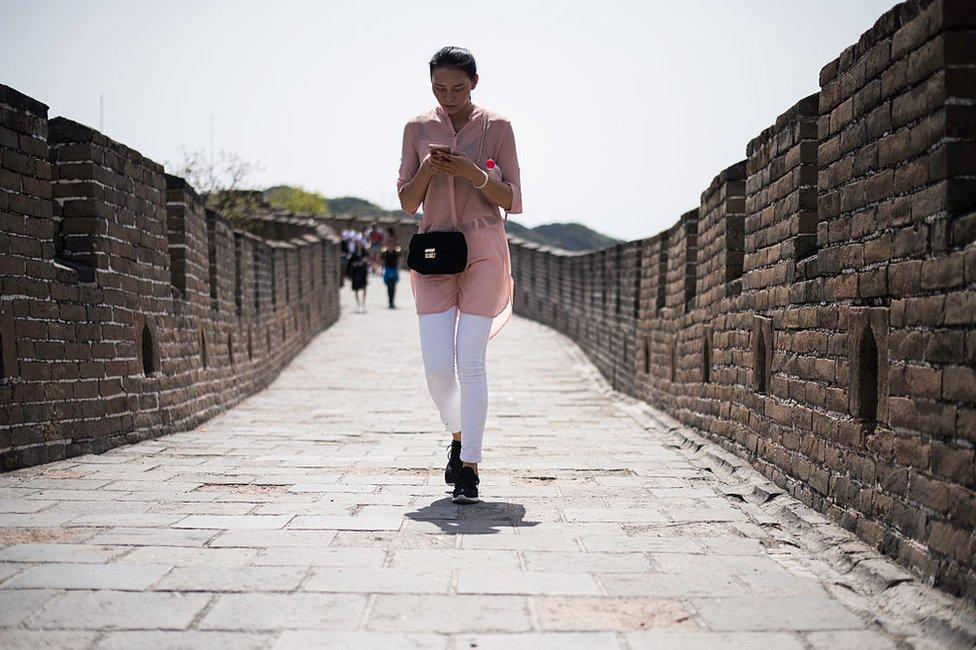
x=841, y=361
x=129, y=310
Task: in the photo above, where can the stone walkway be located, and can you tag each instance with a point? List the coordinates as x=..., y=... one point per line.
x=314, y=514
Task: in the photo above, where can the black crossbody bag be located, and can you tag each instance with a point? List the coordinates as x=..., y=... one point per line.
x=443, y=251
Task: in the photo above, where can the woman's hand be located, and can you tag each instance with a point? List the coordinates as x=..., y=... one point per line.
x=427, y=165
x=457, y=164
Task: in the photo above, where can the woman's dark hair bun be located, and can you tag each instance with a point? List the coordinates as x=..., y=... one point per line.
x=452, y=56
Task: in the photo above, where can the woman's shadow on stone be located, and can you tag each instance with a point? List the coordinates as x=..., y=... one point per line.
x=482, y=518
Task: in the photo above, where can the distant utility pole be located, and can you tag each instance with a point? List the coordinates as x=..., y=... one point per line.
x=101, y=113
x=211, y=141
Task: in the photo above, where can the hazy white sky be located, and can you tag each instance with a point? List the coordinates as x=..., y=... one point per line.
x=658, y=96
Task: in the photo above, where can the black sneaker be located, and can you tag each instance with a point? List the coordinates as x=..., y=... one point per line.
x=453, y=462
x=466, y=486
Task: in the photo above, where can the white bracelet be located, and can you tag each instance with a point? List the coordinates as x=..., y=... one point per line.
x=478, y=187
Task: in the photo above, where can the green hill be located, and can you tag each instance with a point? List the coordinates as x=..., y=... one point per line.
x=568, y=236
x=361, y=208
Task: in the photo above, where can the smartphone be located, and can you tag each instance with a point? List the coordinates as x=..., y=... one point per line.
x=431, y=147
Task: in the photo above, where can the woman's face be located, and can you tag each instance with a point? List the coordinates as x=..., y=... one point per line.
x=452, y=88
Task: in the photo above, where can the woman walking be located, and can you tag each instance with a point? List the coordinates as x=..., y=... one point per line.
x=391, y=266
x=459, y=313
x=358, y=272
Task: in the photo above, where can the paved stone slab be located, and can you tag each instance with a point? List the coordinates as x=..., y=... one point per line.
x=657, y=639
x=285, y=611
x=539, y=641
x=382, y=581
x=17, y=605
x=593, y=613
x=449, y=614
x=127, y=577
x=784, y=613
x=60, y=553
x=321, y=556
x=314, y=514
x=336, y=522
x=472, y=581
x=273, y=538
x=247, y=522
x=189, y=556
x=860, y=639
x=590, y=562
x=46, y=640
x=184, y=640
x=673, y=585
x=127, y=610
x=232, y=578
x=455, y=558
x=303, y=640
x=35, y=520
x=20, y=506
x=153, y=536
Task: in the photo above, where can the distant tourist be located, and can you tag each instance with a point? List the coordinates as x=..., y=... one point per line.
x=358, y=272
x=440, y=160
x=348, y=237
x=376, y=238
x=391, y=266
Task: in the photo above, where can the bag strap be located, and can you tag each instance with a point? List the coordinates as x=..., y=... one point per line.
x=481, y=149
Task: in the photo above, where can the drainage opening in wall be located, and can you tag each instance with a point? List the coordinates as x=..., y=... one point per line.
x=203, y=347
x=230, y=347
x=647, y=355
x=867, y=378
x=250, y=344
x=673, y=359
x=268, y=333
x=149, y=360
x=867, y=331
x=759, y=367
x=762, y=353
x=707, y=358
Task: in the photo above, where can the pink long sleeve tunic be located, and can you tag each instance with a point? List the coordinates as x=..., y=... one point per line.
x=485, y=286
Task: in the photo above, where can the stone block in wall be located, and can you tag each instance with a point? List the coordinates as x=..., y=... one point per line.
x=682, y=242
x=659, y=284
x=781, y=217
x=26, y=236
x=113, y=208
x=239, y=280
x=895, y=141
x=212, y=260
x=261, y=278
x=187, y=239
x=721, y=236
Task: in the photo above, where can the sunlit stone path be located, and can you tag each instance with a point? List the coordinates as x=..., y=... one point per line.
x=314, y=514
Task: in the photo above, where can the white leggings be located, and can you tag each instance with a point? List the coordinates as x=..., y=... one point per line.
x=463, y=407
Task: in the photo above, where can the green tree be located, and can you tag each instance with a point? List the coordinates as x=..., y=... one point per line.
x=296, y=199
x=223, y=183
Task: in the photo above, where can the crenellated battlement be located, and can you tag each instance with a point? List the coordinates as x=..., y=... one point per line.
x=816, y=314
x=129, y=310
